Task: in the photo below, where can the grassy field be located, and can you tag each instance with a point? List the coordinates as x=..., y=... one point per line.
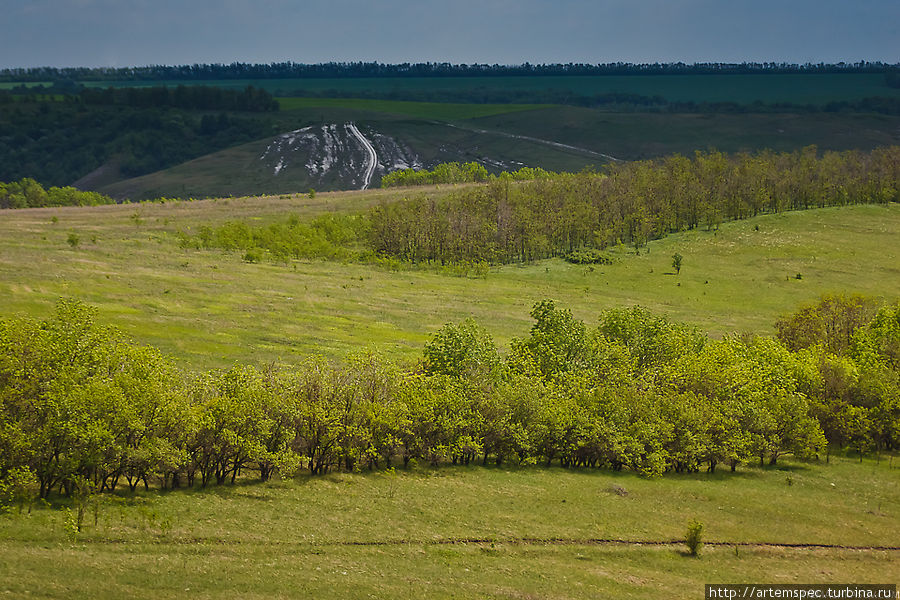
x=632, y=136
x=796, y=88
x=466, y=533
x=462, y=532
x=8, y=85
x=210, y=309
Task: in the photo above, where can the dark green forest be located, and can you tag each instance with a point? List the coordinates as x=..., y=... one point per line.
x=82, y=409
x=57, y=142
x=289, y=69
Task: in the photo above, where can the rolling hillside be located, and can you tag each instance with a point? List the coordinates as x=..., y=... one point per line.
x=334, y=156
x=211, y=308
x=320, y=152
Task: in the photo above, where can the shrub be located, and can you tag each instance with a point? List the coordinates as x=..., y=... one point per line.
x=253, y=255
x=588, y=256
x=694, y=537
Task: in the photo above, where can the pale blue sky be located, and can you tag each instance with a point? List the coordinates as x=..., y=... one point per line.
x=141, y=32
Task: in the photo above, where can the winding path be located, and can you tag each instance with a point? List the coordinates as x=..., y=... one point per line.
x=535, y=140
x=373, y=158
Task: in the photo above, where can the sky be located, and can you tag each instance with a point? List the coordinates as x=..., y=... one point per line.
x=121, y=33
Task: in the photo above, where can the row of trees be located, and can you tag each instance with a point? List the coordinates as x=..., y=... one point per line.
x=289, y=69
x=533, y=214
x=28, y=193
x=454, y=172
x=82, y=409
x=499, y=93
x=628, y=203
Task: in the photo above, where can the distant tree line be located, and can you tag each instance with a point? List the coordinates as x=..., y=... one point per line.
x=202, y=97
x=59, y=142
x=82, y=410
x=629, y=203
x=289, y=69
x=28, y=193
x=454, y=172
x=207, y=97
x=194, y=97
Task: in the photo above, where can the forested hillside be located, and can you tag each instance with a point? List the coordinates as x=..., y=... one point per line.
x=131, y=131
x=103, y=129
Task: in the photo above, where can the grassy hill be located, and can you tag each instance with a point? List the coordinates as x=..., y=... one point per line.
x=557, y=138
x=325, y=156
x=633, y=136
x=211, y=308
x=469, y=532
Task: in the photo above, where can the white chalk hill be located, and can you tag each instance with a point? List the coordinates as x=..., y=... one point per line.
x=346, y=153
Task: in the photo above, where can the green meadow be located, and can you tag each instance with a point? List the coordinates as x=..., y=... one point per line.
x=211, y=309
x=466, y=532
x=634, y=136
x=460, y=532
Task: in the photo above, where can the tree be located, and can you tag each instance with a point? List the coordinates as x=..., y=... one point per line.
x=831, y=322
x=676, y=262
x=464, y=350
x=558, y=342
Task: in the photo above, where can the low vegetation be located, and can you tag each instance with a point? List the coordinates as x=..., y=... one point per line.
x=28, y=193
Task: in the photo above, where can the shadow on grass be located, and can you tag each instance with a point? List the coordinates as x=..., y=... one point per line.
x=249, y=486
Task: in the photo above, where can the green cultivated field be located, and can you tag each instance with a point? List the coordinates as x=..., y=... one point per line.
x=212, y=309
x=466, y=533
x=8, y=85
x=795, y=88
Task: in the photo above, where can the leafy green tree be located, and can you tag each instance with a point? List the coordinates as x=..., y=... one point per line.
x=558, y=342
x=831, y=322
x=676, y=262
x=652, y=340
x=464, y=350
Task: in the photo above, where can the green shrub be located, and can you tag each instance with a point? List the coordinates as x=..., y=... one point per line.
x=694, y=537
x=253, y=255
x=588, y=256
